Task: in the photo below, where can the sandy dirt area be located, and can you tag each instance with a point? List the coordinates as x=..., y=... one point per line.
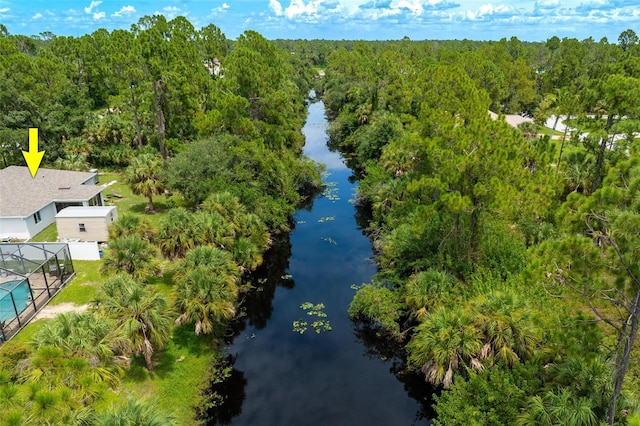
x=51, y=311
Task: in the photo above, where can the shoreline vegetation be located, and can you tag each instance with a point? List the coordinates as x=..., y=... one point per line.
x=506, y=257
x=203, y=185
x=508, y=280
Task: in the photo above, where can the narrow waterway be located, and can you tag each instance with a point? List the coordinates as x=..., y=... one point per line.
x=286, y=375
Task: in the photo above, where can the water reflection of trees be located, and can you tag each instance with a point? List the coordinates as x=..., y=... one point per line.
x=256, y=306
x=380, y=346
x=226, y=395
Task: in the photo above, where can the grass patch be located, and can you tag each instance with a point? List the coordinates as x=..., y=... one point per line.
x=179, y=376
x=546, y=131
x=120, y=195
x=82, y=289
x=48, y=234
x=26, y=334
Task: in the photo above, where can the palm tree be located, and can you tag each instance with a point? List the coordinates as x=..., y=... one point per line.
x=558, y=407
x=86, y=335
x=579, y=172
x=207, y=287
x=129, y=223
x=141, y=314
x=135, y=411
x=218, y=261
x=177, y=233
x=143, y=176
x=215, y=229
x=447, y=339
x=204, y=298
x=505, y=322
x=247, y=254
x=427, y=290
x=254, y=228
x=56, y=376
x=225, y=203
x=133, y=255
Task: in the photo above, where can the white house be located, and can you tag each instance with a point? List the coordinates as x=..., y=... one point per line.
x=28, y=205
x=85, y=223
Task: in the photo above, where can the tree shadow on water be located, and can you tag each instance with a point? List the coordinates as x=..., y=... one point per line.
x=225, y=395
x=257, y=305
x=379, y=345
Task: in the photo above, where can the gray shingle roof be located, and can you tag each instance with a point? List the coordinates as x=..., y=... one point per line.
x=21, y=195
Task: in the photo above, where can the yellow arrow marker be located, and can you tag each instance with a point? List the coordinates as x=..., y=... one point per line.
x=33, y=157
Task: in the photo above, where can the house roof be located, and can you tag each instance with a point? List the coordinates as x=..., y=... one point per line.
x=81, y=211
x=21, y=195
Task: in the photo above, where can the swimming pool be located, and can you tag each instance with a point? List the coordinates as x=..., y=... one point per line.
x=20, y=291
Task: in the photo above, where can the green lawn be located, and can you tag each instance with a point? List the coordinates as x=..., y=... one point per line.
x=82, y=289
x=177, y=381
x=48, y=234
x=120, y=195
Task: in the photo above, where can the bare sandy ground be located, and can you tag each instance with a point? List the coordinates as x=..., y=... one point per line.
x=50, y=311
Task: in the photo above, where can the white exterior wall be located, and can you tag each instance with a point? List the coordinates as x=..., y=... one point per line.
x=83, y=250
x=25, y=228
x=48, y=216
x=11, y=228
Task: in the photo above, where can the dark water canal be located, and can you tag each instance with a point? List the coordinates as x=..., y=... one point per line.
x=286, y=375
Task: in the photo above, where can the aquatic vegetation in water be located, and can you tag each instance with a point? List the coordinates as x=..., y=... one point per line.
x=320, y=325
x=326, y=219
x=331, y=191
x=299, y=326
x=329, y=240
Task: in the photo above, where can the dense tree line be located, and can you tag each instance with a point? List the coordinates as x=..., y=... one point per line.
x=507, y=259
x=213, y=125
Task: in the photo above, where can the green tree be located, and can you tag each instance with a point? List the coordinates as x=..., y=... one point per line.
x=177, y=233
x=205, y=298
x=128, y=224
x=140, y=314
x=85, y=335
x=427, y=290
x=495, y=396
x=207, y=288
x=598, y=260
x=133, y=255
x=144, y=177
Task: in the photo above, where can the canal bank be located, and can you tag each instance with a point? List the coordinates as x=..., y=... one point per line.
x=298, y=357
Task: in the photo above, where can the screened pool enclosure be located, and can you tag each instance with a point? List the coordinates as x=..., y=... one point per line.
x=30, y=275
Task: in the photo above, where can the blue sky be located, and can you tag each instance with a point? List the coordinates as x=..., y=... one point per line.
x=340, y=19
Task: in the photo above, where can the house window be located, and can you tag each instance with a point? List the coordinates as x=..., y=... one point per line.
x=95, y=201
x=36, y=217
x=81, y=227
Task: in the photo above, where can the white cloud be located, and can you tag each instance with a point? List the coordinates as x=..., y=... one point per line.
x=415, y=6
x=276, y=7
x=93, y=4
x=488, y=10
x=170, y=11
x=124, y=10
x=298, y=7
x=99, y=15
x=4, y=10
x=37, y=16
x=220, y=9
